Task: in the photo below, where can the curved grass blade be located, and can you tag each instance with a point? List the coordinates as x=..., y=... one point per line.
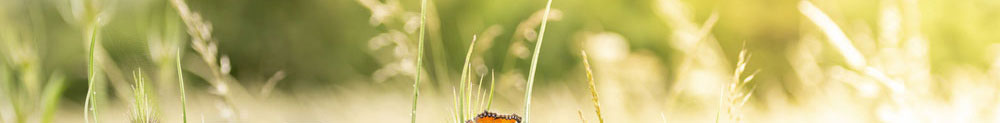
x=87, y=105
x=534, y=63
x=180, y=80
x=465, y=71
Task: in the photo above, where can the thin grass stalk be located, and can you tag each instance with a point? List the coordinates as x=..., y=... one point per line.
x=207, y=48
x=485, y=95
x=482, y=99
x=468, y=93
x=455, y=101
x=855, y=60
x=478, y=95
x=722, y=99
x=593, y=87
x=143, y=111
x=834, y=33
x=736, y=95
x=138, y=91
x=534, y=62
x=135, y=96
x=90, y=79
x=53, y=90
x=420, y=60
x=465, y=70
x=493, y=81
x=465, y=94
x=180, y=81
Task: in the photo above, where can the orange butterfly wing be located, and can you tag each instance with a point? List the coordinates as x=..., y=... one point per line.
x=490, y=117
x=495, y=120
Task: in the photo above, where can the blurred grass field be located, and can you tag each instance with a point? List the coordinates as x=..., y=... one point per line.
x=321, y=61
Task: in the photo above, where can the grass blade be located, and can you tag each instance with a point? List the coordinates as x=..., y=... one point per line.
x=468, y=93
x=593, y=87
x=455, y=101
x=534, y=62
x=478, y=95
x=180, y=80
x=420, y=60
x=493, y=81
x=143, y=110
x=722, y=97
x=855, y=60
x=53, y=90
x=834, y=33
x=90, y=79
x=465, y=71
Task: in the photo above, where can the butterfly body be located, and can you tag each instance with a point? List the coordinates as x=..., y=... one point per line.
x=490, y=117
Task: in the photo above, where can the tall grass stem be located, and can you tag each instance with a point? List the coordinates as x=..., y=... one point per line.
x=465, y=71
x=180, y=81
x=593, y=87
x=534, y=62
x=87, y=105
x=420, y=60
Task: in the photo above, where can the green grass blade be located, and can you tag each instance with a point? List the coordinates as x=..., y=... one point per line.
x=420, y=60
x=534, y=62
x=53, y=90
x=493, y=81
x=143, y=106
x=468, y=93
x=454, y=100
x=477, y=99
x=465, y=71
x=90, y=79
x=180, y=80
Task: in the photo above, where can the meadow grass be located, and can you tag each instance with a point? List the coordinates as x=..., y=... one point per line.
x=207, y=47
x=90, y=80
x=142, y=109
x=734, y=92
x=718, y=112
x=493, y=83
x=854, y=59
x=470, y=97
x=420, y=60
x=465, y=71
x=534, y=62
x=478, y=95
x=483, y=104
x=454, y=100
x=53, y=90
x=593, y=87
x=180, y=81
x=834, y=33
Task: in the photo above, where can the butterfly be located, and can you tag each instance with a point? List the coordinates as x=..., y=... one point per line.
x=490, y=117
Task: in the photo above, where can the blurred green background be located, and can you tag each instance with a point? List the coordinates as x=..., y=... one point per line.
x=334, y=48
